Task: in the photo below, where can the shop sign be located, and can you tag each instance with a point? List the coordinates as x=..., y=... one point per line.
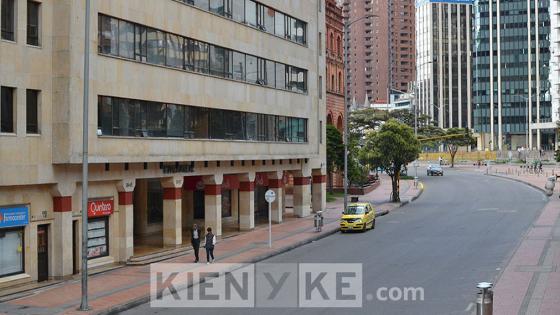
x=177, y=168
x=100, y=208
x=14, y=216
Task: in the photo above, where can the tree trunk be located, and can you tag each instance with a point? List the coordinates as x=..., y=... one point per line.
x=331, y=184
x=395, y=184
x=452, y=152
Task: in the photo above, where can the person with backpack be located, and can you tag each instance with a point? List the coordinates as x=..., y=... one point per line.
x=210, y=242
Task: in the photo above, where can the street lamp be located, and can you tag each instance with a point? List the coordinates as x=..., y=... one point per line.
x=347, y=25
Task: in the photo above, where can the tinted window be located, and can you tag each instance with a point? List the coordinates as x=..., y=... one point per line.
x=33, y=29
x=251, y=12
x=108, y=35
x=252, y=70
x=217, y=6
x=8, y=20
x=32, y=111
x=280, y=76
x=156, y=46
x=175, y=121
x=270, y=73
x=238, y=66
x=126, y=39
x=238, y=10
x=279, y=27
x=174, y=51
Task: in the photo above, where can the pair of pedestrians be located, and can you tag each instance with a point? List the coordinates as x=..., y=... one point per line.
x=209, y=243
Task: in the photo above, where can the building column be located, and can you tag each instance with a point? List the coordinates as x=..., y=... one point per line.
x=302, y=193
x=247, y=201
x=276, y=184
x=62, y=254
x=213, y=203
x=126, y=219
x=319, y=190
x=172, y=224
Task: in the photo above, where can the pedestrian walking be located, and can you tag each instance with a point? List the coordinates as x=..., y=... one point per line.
x=210, y=242
x=195, y=241
x=440, y=159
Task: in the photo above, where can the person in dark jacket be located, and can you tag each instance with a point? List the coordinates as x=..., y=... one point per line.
x=195, y=241
x=210, y=241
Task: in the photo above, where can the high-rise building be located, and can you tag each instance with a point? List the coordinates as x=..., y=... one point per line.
x=555, y=61
x=443, y=61
x=511, y=87
x=381, y=52
x=196, y=108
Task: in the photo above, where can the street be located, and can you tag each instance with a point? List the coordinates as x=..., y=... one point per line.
x=461, y=231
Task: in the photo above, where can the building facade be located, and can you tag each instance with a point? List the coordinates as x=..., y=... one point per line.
x=381, y=50
x=335, y=65
x=554, y=75
x=443, y=59
x=511, y=86
x=196, y=109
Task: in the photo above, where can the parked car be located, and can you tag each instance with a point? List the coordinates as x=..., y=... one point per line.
x=434, y=169
x=358, y=216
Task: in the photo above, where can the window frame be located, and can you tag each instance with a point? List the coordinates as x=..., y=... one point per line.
x=12, y=100
x=3, y=25
x=37, y=96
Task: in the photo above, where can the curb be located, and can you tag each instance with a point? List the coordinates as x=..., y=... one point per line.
x=146, y=299
x=520, y=181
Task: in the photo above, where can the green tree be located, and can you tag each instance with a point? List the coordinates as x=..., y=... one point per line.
x=360, y=121
x=455, y=138
x=404, y=116
x=430, y=136
x=393, y=146
x=335, y=152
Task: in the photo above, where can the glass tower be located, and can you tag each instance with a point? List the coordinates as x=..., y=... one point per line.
x=510, y=79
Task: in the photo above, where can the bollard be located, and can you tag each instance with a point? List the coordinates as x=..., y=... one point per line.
x=318, y=221
x=484, y=299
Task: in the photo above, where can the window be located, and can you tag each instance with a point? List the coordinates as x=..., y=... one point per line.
x=197, y=56
x=238, y=66
x=140, y=43
x=108, y=35
x=217, y=6
x=32, y=111
x=156, y=46
x=203, y=4
x=252, y=69
x=7, y=110
x=33, y=28
x=280, y=76
x=174, y=51
x=156, y=122
x=8, y=20
x=270, y=74
x=175, y=121
x=234, y=125
x=98, y=237
x=12, y=258
x=279, y=24
x=251, y=126
x=126, y=39
x=251, y=13
x=220, y=61
x=238, y=10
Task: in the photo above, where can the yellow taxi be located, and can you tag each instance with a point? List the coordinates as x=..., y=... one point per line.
x=358, y=216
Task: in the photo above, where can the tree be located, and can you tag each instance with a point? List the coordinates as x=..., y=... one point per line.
x=430, y=136
x=393, y=146
x=365, y=119
x=335, y=152
x=455, y=138
x=404, y=116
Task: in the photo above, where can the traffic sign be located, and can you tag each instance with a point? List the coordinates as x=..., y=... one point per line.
x=270, y=196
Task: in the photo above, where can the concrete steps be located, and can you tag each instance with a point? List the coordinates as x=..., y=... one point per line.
x=158, y=256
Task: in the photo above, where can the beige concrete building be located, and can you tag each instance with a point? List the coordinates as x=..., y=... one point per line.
x=196, y=109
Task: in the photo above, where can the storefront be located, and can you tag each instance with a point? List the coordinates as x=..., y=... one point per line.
x=99, y=211
x=13, y=220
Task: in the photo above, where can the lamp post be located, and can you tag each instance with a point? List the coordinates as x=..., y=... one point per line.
x=347, y=25
x=84, y=303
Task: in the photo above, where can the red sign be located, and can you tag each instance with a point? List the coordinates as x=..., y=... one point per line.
x=100, y=208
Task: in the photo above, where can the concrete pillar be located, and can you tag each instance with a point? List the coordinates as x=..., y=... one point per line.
x=62, y=254
x=247, y=201
x=319, y=191
x=126, y=219
x=213, y=203
x=172, y=224
x=302, y=193
x=276, y=184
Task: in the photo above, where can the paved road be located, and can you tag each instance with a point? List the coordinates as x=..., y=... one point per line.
x=459, y=232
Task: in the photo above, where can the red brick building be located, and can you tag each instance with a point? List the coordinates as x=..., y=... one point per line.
x=335, y=65
x=335, y=74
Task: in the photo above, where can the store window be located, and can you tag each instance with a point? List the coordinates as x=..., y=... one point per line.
x=98, y=237
x=11, y=247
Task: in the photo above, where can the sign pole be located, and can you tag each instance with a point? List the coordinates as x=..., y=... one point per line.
x=270, y=196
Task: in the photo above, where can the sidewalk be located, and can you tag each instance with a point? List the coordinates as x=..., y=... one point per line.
x=127, y=287
x=530, y=283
